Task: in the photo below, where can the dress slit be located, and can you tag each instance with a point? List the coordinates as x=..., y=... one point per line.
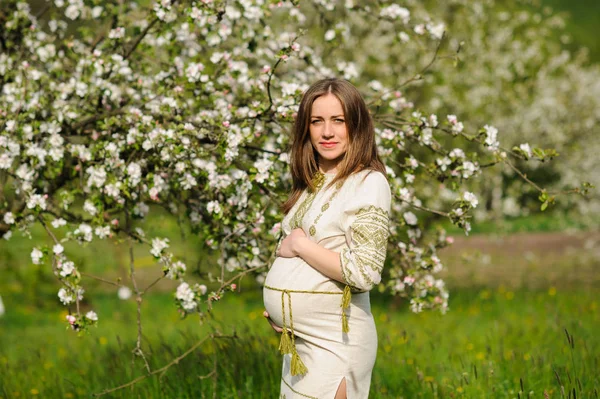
x=343, y=380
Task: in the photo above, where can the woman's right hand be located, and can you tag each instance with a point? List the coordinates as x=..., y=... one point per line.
x=273, y=325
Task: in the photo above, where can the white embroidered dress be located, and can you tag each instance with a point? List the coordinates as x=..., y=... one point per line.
x=351, y=218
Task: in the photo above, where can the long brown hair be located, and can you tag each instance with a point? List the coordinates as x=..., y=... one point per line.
x=362, y=150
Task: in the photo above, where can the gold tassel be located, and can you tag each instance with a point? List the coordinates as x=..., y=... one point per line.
x=285, y=345
x=298, y=366
x=346, y=298
x=345, y=327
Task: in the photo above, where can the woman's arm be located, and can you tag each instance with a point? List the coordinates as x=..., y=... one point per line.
x=322, y=259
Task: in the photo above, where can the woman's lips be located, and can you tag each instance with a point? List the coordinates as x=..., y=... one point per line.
x=328, y=145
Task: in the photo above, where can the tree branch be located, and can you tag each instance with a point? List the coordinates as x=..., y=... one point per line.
x=140, y=38
x=163, y=369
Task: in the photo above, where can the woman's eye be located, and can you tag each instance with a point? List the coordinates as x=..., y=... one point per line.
x=315, y=121
x=339, y=120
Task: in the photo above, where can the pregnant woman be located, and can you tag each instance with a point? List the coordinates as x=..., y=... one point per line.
x=332, y=249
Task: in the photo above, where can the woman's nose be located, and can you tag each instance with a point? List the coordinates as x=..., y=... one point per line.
x=328, y=130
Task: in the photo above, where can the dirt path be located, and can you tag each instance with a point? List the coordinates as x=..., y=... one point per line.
x=555, y=259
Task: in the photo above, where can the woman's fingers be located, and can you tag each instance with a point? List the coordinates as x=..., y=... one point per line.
x=273, y=325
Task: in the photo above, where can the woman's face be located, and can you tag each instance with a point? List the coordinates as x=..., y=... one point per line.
x=328, y=132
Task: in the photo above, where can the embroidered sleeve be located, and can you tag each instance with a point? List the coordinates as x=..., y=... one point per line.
x=366, y=225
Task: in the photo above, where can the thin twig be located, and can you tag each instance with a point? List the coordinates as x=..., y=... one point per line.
x=523, y=176
x=101, y=279
x=152, y=284
x=237, y=276
x=251, y=147
x=138, y=346
x=271, y=73
x=419, y=75
x=43, y=222
x=223, y=242
x=422, y=208
x=160, y=370
x=42, y=11
x=140, y=37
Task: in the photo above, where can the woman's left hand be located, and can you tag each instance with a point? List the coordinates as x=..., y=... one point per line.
x=288, y=246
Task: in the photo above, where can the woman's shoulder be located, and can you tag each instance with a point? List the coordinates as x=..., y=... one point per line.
x=368, y=178
x=367, y=188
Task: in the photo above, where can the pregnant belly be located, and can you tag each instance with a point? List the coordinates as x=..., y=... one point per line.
x=311, y=312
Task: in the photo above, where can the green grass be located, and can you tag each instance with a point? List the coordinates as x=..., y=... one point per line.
x=499, y=330
x=548, y=221
x=482, y=348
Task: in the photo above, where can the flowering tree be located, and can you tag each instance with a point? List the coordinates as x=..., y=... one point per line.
x=529, y=86
x=110, y=110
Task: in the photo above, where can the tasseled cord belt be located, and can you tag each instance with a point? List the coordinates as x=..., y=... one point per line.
x=288, y=341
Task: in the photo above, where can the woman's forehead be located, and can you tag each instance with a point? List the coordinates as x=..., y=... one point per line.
x=327, y=105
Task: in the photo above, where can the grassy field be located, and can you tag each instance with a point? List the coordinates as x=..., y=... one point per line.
x=494, y=343
x=523, y=320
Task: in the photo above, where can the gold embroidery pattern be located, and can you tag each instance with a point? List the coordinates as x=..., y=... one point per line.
x=370, y=232
x=278, y=245
x=318, y=180
x=313, y=229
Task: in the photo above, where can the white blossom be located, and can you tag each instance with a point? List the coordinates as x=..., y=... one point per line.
x=65, y=297
x=419, y=29
x=97, y=176
x=36, y=256
x=56, y=223
x=124, y=293
x=394, y=11
x=96, y=12
x=91, y=315
x=416, y=306
x=470, y=198
x=443, y=163
x=58, y=249
x=186, y=296
x=436, y=31
x=405, y=194
x=102, y=231
x=84, y=231
x=89, y=207
x=469, y=169
x=36, y=200
x=9, y=218
x=457, y=153
x=491, y=137
x=213, y=207
x=116, y=33
x=526, y=149
x=263, y=166
x=73, y=11
x=176, y=270
x=67, y=268
x=158, y=244
x=134, y=171
x=410, y=218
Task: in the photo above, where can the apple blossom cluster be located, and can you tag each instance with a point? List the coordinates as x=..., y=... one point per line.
x=188, y=297
x=524, y=100
x=187, y=106
x=80, y=324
